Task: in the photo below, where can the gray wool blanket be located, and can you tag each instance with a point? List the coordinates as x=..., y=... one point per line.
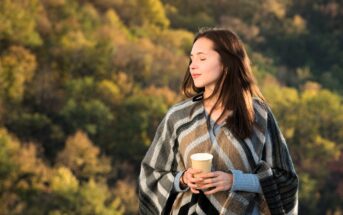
x=184, y=131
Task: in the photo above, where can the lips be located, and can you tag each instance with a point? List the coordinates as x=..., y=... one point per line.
x=195, y=75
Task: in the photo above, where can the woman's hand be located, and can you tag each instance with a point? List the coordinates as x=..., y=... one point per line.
x=214, y=182
x=188, y=179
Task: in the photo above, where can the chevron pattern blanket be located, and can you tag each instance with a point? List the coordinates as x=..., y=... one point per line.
x=184, y=131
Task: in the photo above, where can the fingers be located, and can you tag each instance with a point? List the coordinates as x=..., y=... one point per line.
x=189, y=176
x=210, y=184
x=192, y=182
x=216, y=182
x=194, y=191
x=214, y=187
x=210, y=180
x=208, y=175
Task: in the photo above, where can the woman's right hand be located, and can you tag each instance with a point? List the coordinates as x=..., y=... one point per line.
x=192, y=182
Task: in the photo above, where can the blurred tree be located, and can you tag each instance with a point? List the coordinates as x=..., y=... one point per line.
x=125, y=84
x=21, y=172
x=64, y=182
x=310, y=36
x=36, y=127
x=179, y=42
x=82, y=110
x=138, y=118
x=83, y=158
x=18, y=23
x=126, y=191
x=311, y=123
x=112, y=31
x=17, y=66
x=109, y=92
x=8, y=173
x=29, y=186
x=147, y=12
x=189, y=14
x=96, y=199
x=149, y=64
x=72, y=197
x=92, y=116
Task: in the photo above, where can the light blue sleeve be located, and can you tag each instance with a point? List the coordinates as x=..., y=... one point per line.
x=245, y=182
x=177, y=183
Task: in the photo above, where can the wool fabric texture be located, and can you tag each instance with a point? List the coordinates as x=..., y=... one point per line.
x=184, y=131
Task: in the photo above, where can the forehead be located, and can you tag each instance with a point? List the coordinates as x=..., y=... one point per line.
x=202, y=45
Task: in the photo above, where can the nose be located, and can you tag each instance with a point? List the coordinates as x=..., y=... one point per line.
x=193, y=66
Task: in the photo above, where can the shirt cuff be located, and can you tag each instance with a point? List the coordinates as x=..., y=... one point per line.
x=245, y=182
x=177, y=183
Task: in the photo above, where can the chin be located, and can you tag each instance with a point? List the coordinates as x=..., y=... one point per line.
x=197, y=85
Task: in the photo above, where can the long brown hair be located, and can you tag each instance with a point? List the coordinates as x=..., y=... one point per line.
x=238, y=82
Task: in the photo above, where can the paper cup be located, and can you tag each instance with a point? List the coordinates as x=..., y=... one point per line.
x=202, y=161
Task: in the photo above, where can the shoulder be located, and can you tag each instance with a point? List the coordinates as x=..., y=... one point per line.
x=264, y=117
x=183, y=109
x=261, y=108
x=264, y=114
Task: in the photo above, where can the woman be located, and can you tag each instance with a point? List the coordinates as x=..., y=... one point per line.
x=225, y=115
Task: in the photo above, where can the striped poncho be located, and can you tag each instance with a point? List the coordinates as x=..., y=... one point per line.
x=184, y=131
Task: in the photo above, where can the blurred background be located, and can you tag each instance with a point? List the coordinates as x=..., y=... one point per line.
x=84, y=84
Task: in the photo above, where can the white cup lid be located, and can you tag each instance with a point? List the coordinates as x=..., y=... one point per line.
x=201, y=156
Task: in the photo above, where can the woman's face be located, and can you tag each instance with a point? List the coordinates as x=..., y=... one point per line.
x=206, y=67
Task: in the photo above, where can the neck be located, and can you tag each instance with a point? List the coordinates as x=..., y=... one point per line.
x=210, y=102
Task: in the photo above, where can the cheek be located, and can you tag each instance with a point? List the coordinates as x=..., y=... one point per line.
x=216, y=70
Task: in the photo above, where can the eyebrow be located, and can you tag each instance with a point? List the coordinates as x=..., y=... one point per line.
x=198, y=53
